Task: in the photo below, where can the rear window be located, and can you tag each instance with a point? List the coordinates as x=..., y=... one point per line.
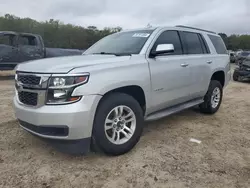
x=7, y=39
x=218, y=44
x=27, y=40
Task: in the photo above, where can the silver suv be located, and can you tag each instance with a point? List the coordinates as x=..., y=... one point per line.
x=103, y=97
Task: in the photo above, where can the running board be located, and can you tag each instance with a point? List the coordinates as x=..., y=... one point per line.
x=172, y=110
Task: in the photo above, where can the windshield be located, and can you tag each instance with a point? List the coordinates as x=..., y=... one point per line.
x=245, y=53
x=126, y=43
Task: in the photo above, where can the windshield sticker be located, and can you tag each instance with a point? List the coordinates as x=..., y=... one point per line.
x=143, y=35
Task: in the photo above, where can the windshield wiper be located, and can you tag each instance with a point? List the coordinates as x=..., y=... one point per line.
x=116, y=54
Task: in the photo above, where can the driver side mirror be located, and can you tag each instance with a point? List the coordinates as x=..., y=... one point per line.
x=162, y=49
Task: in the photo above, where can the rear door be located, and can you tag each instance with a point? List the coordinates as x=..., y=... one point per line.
x=170, y=75
x=199, y=59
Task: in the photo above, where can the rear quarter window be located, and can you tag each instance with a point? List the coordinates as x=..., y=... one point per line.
x=218, y=44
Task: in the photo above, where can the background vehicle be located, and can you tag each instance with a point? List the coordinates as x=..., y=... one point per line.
x=232, y=56
x=19, y=47
x=242, y=56
x=104, y=96
x=242, y=72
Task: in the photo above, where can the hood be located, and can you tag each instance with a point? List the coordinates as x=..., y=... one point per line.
x=66, y=64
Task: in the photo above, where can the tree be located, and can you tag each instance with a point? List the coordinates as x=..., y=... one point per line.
x=56, y=33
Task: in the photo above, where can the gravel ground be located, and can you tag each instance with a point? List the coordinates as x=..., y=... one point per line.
x=164, y=157
x=6, y=73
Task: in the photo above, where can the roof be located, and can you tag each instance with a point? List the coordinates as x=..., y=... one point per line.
x=178, y=27
x=16, y=33
x=8, y=32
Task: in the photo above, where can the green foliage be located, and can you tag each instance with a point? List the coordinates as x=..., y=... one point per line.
x=55, y=33
x=59, y=35
x=235, y=42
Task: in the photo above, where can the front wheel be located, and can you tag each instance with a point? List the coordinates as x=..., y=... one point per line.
x=213, y=98
x=118, y=124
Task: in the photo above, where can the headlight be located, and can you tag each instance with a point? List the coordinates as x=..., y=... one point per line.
x=61, y=88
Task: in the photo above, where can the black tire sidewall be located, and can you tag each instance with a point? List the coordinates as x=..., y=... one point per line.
x=106, y=105
x=236, y=76
x=206, y=107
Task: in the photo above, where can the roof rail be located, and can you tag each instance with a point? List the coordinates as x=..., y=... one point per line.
x=195, y=28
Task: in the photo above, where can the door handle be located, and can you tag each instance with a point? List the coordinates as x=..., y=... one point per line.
x=209, y=62
x=184, y=65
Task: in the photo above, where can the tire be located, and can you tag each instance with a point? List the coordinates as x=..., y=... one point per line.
x=207, y=106
x=101, y=139
x=236, y=76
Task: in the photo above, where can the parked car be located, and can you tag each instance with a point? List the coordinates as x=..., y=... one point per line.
x=19, y=47
x=242, y=72
x=232, y=56
x=103, y=97
x=242, y=56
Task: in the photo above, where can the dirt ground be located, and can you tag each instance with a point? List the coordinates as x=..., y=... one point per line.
x=164, y=157
x=7, y=73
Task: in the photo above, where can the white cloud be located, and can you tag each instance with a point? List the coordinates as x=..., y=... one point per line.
x=229, y=16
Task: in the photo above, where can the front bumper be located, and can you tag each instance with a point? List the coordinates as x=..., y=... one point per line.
x=76, y=119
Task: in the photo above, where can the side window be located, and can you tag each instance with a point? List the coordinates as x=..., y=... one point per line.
x=7, y=39
x=218, y=44
x=170, y=37
x=27, y=40
x=193, y=43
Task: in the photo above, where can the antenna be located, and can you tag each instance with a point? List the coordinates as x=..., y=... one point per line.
x=149, y=25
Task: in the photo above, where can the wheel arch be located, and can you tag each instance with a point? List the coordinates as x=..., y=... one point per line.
x=135, y=91
x=220, y=76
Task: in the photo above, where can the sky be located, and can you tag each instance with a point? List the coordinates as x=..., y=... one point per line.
x=227, y=16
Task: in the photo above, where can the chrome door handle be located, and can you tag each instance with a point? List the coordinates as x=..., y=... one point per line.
x=184, y=64
x=209, y=62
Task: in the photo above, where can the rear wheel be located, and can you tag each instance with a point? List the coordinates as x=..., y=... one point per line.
x=236, y=76
x=118, y=124
x=213, y=98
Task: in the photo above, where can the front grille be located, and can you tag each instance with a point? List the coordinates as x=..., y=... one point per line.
x=29, y=79
x=28, y=98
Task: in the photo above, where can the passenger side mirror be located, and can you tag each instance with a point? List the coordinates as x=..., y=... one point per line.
x=163, y=49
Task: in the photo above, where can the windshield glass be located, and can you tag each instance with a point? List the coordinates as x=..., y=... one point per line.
x=245, y=53
x=130, y=42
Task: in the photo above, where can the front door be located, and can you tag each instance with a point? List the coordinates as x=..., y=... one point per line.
x=29, y=48
x=170, y=74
